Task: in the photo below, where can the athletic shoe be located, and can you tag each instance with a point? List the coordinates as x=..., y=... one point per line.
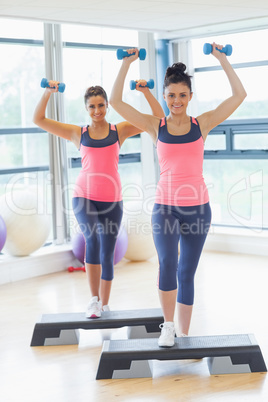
x=94, y=308
x=106, y=308
x=166, y=338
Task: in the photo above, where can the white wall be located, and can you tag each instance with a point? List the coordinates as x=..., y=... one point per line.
x=46, y=260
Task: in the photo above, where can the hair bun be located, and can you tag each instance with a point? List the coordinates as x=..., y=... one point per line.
x=179, y=67
x=176, y=68
x=177, y=73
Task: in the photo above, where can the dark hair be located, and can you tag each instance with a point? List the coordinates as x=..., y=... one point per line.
x=95, y=91
x=176, y=73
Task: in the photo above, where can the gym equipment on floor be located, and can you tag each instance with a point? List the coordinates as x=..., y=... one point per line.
x=227, y=354
x=63, y=329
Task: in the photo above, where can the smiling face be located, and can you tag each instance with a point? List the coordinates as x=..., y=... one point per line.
x=177, y=97
x=96, y=107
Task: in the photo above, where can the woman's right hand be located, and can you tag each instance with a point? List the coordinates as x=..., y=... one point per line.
x=215, y=51
x=53, y=86
x=132, y=58
x=140, y=86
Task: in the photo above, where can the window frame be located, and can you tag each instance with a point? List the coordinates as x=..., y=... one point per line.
x=229, y=128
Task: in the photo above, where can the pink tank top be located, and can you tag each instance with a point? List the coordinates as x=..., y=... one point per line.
x=181, y=167
x=99, y=179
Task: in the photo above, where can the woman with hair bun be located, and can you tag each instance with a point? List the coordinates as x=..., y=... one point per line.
x=97, y=198
x=181, y=212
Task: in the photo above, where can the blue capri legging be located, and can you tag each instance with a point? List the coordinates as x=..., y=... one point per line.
x=100, y=223
x=189, y=226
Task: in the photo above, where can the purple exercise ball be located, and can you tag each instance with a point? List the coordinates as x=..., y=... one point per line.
x=120, y=245
x=79, y=246
x=3, y=233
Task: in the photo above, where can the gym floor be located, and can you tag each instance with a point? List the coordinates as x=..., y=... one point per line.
x=231, y=298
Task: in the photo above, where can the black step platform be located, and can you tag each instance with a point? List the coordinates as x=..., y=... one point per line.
x=227, y=354
x=62, y=329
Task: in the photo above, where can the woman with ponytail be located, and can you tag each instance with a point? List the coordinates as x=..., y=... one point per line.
x=181, y=211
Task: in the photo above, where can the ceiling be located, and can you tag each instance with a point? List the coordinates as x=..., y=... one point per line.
x=167, y=18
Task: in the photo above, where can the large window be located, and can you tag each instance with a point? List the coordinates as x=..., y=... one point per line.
x=24, y=161
x=236, y=172
x=236, y=152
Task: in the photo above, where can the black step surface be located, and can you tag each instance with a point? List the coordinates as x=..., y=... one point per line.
x=241, y=348
x=50, y=325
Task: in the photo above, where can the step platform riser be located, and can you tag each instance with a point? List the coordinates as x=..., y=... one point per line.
x=227, y=354
x=63, y=329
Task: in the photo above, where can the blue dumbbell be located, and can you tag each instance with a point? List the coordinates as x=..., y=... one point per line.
x=227, y=49
x=149, y=84
x=122, y=53
x=45, y=84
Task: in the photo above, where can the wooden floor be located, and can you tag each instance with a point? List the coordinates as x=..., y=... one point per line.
x=231, y=298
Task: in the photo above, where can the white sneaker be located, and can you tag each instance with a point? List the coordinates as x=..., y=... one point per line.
x=166, y=338
x=94, y=308
x=105, y=308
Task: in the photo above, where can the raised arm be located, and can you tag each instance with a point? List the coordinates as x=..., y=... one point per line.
x=68, y=131
x=211, y=119
x=143, y=122
x=155, y=106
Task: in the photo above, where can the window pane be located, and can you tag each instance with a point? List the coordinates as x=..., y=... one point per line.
x=256, y=102
x=240, y=43
x=102, y=72
x=238, y=191
x=76, y=84
x=131, y=179
x=21, y=29
x=123, y=36
x=80, y=33
x=18, y=150
x=212, y=88
x=104, y=36
x=131, y=145
x=250, y=141
x=72, y=151
x=20, y=83
x=215, y=142
x=22, y=67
